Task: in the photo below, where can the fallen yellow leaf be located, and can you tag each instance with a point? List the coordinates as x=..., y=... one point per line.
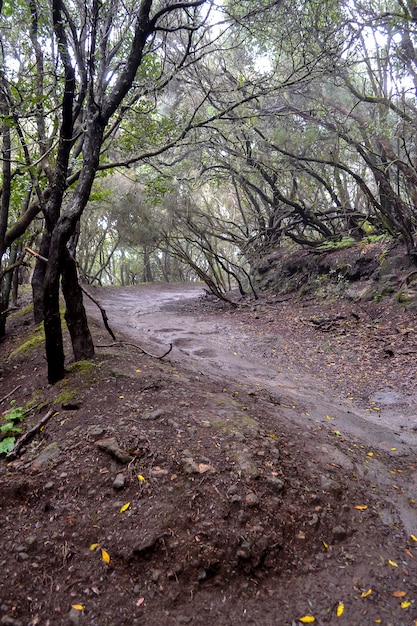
x=125, y=507
x=77, y=607
x=393, y=449
x=393, y=563
x=326, y=545
x=141, y=479
x=340, y=609
x=413, y=537
x=365, y=594
x=138, y=371
x=94, y=546
x=405, y=604
x=399, y=594
x=361, y=507
x=307, y=619
x=105, y=556
x=370, y=454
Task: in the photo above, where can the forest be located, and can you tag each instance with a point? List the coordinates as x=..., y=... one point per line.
x=160, y=140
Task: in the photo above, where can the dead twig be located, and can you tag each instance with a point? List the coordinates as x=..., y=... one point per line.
x=102, y=311
x=9, y=394
x=127, y=343
x=24, y=439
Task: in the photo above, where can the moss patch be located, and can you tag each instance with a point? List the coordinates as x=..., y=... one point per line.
x=36, y=337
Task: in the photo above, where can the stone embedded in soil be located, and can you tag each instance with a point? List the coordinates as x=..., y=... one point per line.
x=112, y=448
x=119, y=482
x=252, y=499
x=96, y=432
x=330, y=485
x=152, y=415
x=247, y=466
x=339, y=533
x=48, y=454
x=74, y=616
x=276, y=483
x=190, y=466
x=6, y=620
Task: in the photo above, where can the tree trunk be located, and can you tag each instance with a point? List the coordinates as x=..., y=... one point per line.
x=54, y=344
x=75, y=316
x=38, y=279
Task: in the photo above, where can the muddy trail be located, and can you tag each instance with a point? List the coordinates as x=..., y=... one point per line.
x=225, y=348
x=263, y=472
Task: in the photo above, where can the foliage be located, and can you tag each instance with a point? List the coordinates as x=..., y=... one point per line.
x=8, y=422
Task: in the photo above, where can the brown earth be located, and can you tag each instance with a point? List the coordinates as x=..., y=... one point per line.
x=266, y=467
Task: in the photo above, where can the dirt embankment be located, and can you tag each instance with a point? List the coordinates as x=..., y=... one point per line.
x=254, y=475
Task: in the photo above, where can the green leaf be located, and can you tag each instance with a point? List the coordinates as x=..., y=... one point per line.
x=7, y=445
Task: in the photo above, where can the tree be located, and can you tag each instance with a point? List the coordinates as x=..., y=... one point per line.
x=102, y=53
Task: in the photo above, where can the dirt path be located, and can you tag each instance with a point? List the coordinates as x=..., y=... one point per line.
x=246, y=478
x=223, y=347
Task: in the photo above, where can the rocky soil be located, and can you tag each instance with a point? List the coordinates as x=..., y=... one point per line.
x=163, y=492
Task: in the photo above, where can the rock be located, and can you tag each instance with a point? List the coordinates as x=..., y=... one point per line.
x=31, y=543
x=119, y=482
x=157, y=472
x=232, y=490
x=152, y=415
x=190, y=466
x=74, y=616
x=247, y=466
x=112, y=448
x=276, y=483
x=49, y=485
x=96, y=432
x=9, y=621
x=156, y=575
x=184, y=619
x=22, y=556
x=147, y=545
x=252, y=499
x=47, y=455
x=331, y=486
x=70, y=406
x=339, y=533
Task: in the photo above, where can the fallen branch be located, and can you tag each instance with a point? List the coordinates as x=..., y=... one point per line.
x=102, y=311
x=127, y=343
x=9, y=394
x=24, y=439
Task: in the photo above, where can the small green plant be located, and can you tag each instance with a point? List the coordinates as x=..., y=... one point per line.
x=8, y=428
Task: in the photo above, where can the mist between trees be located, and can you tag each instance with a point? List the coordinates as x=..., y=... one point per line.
x=162, y=140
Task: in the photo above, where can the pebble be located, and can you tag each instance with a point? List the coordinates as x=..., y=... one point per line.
x=276, y=483
x=246, y=465
x=74, y=616
x=252, y=499
x=119, y=482
x=49, y=485
x=152, y=415
x=48, y=454
x=22, y=556
x=9, y=621
x=31, y=543
x=190, y=466
x=339, y=533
